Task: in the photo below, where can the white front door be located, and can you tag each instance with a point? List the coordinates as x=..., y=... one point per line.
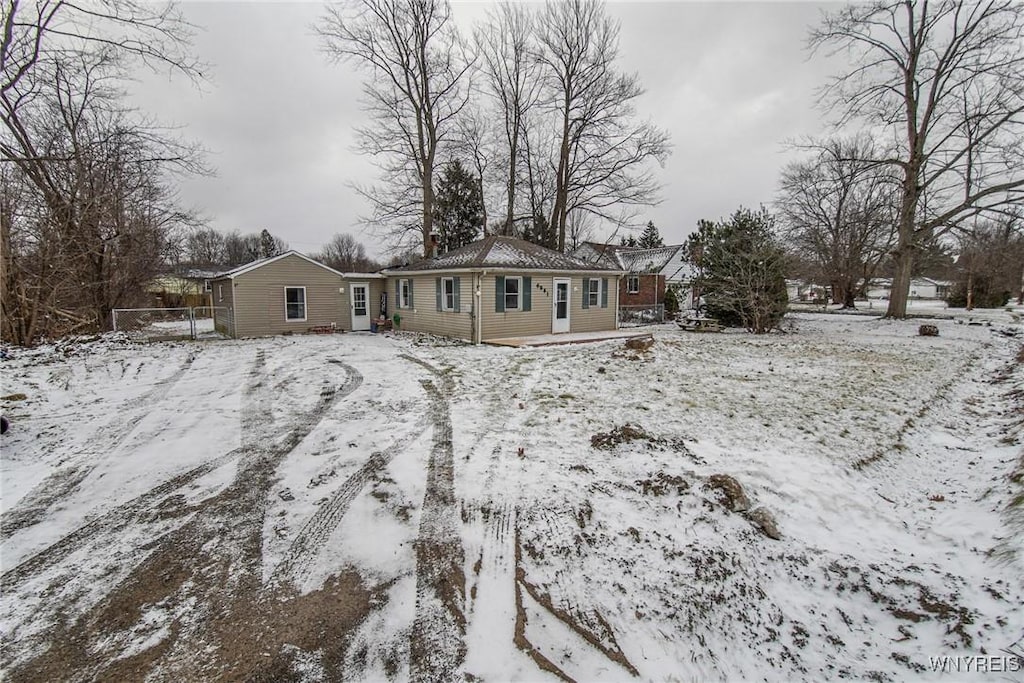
x=560, y=307
x=360, y=300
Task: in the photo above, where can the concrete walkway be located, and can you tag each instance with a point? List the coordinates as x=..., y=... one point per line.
x=569, y=338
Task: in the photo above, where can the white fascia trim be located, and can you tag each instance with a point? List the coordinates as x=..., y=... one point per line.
x=266, y=262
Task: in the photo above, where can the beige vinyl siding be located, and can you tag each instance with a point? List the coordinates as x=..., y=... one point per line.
x=538, y=320
x=345, y=299
x=224, y=309
x=593, y=319
x=423, y=316
x=258, y=298
x=517, y=323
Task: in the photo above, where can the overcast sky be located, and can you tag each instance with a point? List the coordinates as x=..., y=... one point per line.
x=730, y=81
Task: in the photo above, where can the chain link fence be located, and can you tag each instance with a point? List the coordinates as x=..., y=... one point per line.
x=632, y=316
x=170, y=324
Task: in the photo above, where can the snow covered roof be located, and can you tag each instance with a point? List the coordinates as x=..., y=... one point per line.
x=633, y=259
x=497, y=251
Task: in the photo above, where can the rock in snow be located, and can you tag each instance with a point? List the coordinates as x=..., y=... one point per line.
x=728, y=492
x=765, y=521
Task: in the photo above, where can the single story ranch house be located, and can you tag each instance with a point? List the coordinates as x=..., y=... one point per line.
x=494, y=288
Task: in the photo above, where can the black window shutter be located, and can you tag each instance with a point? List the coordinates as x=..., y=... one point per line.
x=604, y=292
x=499, y=294
x=586, y=292
x=456, y=287
x=410, y=292
x=437, y=292
x=527, y=294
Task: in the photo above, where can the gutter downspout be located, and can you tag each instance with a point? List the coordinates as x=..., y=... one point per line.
x=478, y=308
x=618, y=289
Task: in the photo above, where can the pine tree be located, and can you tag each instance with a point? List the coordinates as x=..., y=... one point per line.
x=268, y=245
x=741, y=270
x=651, y=238
x=539, y=231
x=628, y=241
x=458, y=207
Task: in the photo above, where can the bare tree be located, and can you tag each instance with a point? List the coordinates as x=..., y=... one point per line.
x=580, y=228
x=89, y=214
x=989, y=264
x=46, y=31
x=205, y=248
x=346, y=254
x=95, y=215
x=839, y=212
x=416, y=89
x=512, y=77
x=240, y=249
x=603, y=154
x=944, y=80
x=473, y=144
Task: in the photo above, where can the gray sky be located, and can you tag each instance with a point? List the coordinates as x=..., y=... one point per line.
x=730, y=81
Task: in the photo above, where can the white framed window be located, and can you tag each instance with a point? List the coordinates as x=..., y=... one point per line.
x=594, y=293
x=633, y=284
x=207, y=287
x=404, y=294
x=294, y=304
x=447, y=294
x=220, y=292
x=513, y=293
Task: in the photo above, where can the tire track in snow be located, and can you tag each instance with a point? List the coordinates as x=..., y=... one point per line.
x=132, y=511
x=561, y=599
x=941, y=394
x=298, y=560
x=437, y=643
x=56, y=486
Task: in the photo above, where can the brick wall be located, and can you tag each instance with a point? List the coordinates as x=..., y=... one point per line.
x=652, y=291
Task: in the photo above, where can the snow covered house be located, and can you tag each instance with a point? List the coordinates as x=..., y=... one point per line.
x=649, y=272
x=293, y=293
x=494, y=288
x=501, y=287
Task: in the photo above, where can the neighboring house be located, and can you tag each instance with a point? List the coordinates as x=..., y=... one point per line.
x=920, y=288
x=293, y=293
x=649, y=272
x=501, y=287
x=801, y=291
x=186, y=289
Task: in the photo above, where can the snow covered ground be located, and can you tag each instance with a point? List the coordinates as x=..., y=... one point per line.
x=398, y=507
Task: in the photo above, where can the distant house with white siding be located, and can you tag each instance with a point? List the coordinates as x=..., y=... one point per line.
x=920, y=288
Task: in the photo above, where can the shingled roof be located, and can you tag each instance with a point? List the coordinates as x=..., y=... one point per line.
x=499, y=252
x=633, y=259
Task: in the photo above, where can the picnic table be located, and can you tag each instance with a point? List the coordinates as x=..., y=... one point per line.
x=699, y=323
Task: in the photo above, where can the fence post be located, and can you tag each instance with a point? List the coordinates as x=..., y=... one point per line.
x=192, y=322
x=113, y=316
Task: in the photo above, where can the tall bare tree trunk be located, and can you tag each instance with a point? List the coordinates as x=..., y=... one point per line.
x=905, y=247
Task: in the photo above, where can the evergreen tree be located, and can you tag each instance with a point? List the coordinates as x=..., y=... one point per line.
x=270, y=245
x=458, y=207
x=630, y=241
x=541, y=232
x=651, y=238
x=671, y=300
x=741, y=270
